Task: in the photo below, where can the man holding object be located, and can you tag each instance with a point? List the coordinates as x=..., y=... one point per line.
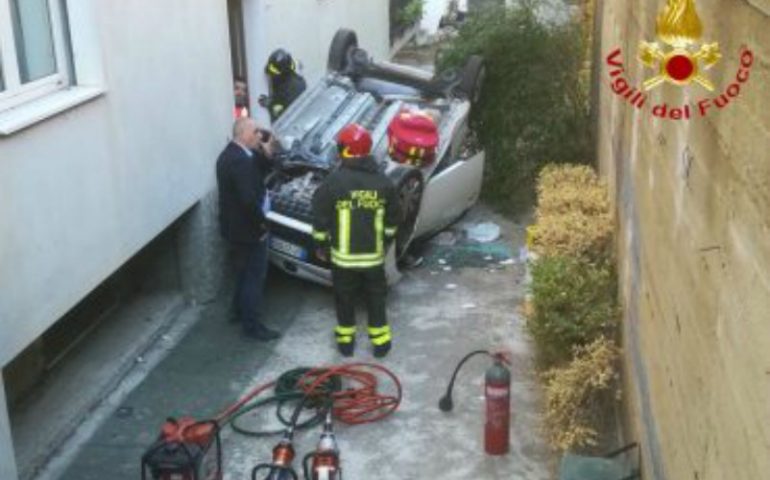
x=243, y=205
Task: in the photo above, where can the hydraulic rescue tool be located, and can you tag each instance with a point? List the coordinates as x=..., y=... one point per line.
x=324, y=463
x=283, y=455
x=497, y=392
x=186, y=449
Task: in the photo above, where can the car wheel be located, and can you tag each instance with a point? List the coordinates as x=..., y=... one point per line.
x=410, y=188
x=343, y=43
x=472, y=82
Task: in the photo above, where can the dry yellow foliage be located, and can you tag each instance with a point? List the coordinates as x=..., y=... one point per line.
x=591, y=198
x=554, y=176
x=574, y=234
x=571, y=188
x=573, y=214
x=573, y=393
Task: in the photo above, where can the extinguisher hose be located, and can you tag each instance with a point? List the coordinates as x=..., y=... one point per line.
x=446, y=404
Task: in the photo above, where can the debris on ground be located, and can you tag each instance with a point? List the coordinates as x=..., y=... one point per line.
x=484, y=232
x=451, y=286
x=467, y=255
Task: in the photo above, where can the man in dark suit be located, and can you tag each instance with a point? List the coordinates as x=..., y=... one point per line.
x=243, y=205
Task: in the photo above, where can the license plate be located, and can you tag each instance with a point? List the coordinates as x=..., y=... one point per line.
x=288, y=248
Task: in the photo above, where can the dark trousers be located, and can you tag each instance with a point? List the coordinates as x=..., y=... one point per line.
x=250, y=262
x=351, y=284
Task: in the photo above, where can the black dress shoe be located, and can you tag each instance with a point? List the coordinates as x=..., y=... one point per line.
x=261, y=333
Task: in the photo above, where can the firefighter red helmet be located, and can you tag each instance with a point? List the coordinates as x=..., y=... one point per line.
x=354, y=141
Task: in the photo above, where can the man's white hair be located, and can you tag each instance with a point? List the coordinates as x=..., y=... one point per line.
x=243, y=125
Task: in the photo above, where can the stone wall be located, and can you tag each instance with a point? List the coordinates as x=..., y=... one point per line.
x=693, y=204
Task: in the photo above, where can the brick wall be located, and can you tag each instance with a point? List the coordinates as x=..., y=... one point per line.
x=693, y=205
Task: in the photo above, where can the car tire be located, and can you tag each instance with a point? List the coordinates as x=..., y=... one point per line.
x=474, y=73
x=343, y=44
x=410, y=187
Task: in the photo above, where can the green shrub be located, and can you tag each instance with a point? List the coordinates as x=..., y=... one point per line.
x=573, y=303
x=410, y=13
x=533, y=108
x=575, y=394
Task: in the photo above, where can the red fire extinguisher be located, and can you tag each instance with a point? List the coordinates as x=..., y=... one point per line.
x=497, y=392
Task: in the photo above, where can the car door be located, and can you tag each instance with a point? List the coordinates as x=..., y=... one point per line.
x=449, y=193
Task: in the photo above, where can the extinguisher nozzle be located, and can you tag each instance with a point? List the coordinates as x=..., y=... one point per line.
x=446, y=404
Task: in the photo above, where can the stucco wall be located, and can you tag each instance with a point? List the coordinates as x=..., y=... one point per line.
x=693, y=205
x=305, y=28
x=81, y=192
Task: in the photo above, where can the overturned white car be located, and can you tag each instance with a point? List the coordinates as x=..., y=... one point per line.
x=359, y=90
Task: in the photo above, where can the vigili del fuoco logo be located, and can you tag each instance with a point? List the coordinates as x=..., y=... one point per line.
x=682, y=60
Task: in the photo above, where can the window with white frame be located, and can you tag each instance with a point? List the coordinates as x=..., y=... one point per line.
x=33, y=50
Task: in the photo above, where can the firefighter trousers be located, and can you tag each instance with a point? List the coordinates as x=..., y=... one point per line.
x=350, y=284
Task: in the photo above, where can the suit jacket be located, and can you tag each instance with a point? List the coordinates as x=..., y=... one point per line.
x=241, y=186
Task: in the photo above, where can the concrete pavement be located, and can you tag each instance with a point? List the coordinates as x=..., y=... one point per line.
x=439, y=312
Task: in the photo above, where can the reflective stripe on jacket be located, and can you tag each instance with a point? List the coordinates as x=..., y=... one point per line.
x=355, y=212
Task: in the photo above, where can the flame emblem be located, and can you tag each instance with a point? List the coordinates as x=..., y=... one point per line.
x=679, y=27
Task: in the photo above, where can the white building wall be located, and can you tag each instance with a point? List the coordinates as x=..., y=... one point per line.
x=81, y=192
x=305, y=28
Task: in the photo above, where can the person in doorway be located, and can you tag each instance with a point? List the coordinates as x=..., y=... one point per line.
x=355, y=214
x=241, y=93
x=243, y=206
x=284, y=82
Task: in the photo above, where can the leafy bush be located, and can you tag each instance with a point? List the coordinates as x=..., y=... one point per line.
x=571, y=188
x=574, y=394
x=410, y=13
x=575, y=234
x=553, y=176
x=586, y=199
x=573, y=303
x=533, y=107
x=573, y=214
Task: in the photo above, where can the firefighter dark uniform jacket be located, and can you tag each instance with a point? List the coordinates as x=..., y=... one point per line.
x=285, y=90
x=356, y=213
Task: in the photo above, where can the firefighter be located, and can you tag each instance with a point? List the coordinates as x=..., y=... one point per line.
x=356, y=212
x=284, y=82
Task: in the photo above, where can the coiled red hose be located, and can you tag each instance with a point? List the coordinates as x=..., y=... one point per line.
x=361, y=402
